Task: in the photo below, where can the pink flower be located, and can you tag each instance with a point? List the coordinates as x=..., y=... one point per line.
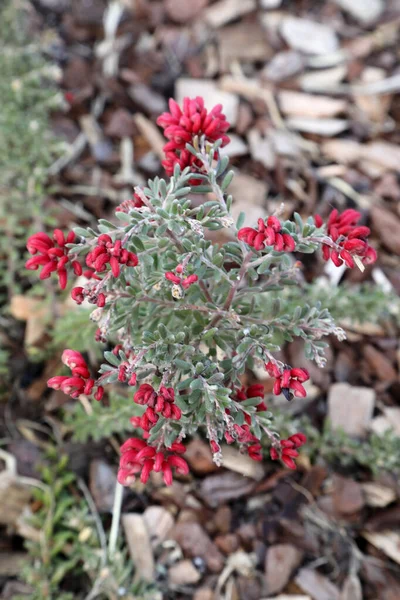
x=287, y=380
x=350, y=237
x=288, y=449
x=267, y=233
x=138, y=457
x=181, y=126
x=52, y=255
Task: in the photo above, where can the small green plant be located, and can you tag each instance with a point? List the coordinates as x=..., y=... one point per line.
x=68, y=545
x=27, y=147
x=375, y=453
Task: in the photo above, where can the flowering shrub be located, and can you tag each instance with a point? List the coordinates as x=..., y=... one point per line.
x=187, y=317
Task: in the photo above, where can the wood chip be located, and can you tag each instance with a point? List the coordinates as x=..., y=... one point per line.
x=386, y=541
x=322, y=80
x=194, y=541
x=324, y=127
x=236, y=147
x=224, y=487
x=383, y=222
x=350, y=408
x=224, y=11
x=151, y=133
x=308, y=105
x=211, y=93
x=377, y=495
x=280, y=562
x=139, y=546
x=183, y=573
x=182, y=11
x=268, y=4
x=241, y=463
x=389, y=420
x=159, y=523
x=284, y=65
x=245, y=42
x=380, y=364
x=347, y=495
x=351, y=588
x=261, y=148
x=318, y=586
x=364, y=11
x=309, y=36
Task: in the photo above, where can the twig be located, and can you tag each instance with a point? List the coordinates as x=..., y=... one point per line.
x=99, y=525
x=112, y=542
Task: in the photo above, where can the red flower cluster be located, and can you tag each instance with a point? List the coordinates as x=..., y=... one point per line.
x=242, y=432
x=135, y=202
x=52, y=255
x=185, y=282
x=138, y=457
x=268, y=233
x=80, y=382
x=351, y=238
x=182, y=125
x=162, y=402
x=288, y=450
x=287, y=380
x=107, y=251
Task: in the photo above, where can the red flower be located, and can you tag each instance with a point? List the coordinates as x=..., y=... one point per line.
x=181, y=126
x=138, y=457
x=268, y=233
x=350, y=237
x=162, y=402
x=288, y=449
x=80, y=382
x=108, y=252
x=185, y=282
x=51, y=255
x=127, y=205
x=287, y=380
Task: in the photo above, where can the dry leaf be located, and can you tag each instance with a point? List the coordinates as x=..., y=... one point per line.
x=35, y=313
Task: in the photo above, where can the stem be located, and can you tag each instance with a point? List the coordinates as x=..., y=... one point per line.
x=240, y=276
x=112, y=543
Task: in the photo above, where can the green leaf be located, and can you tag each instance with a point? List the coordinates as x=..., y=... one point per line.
x=240, y=220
